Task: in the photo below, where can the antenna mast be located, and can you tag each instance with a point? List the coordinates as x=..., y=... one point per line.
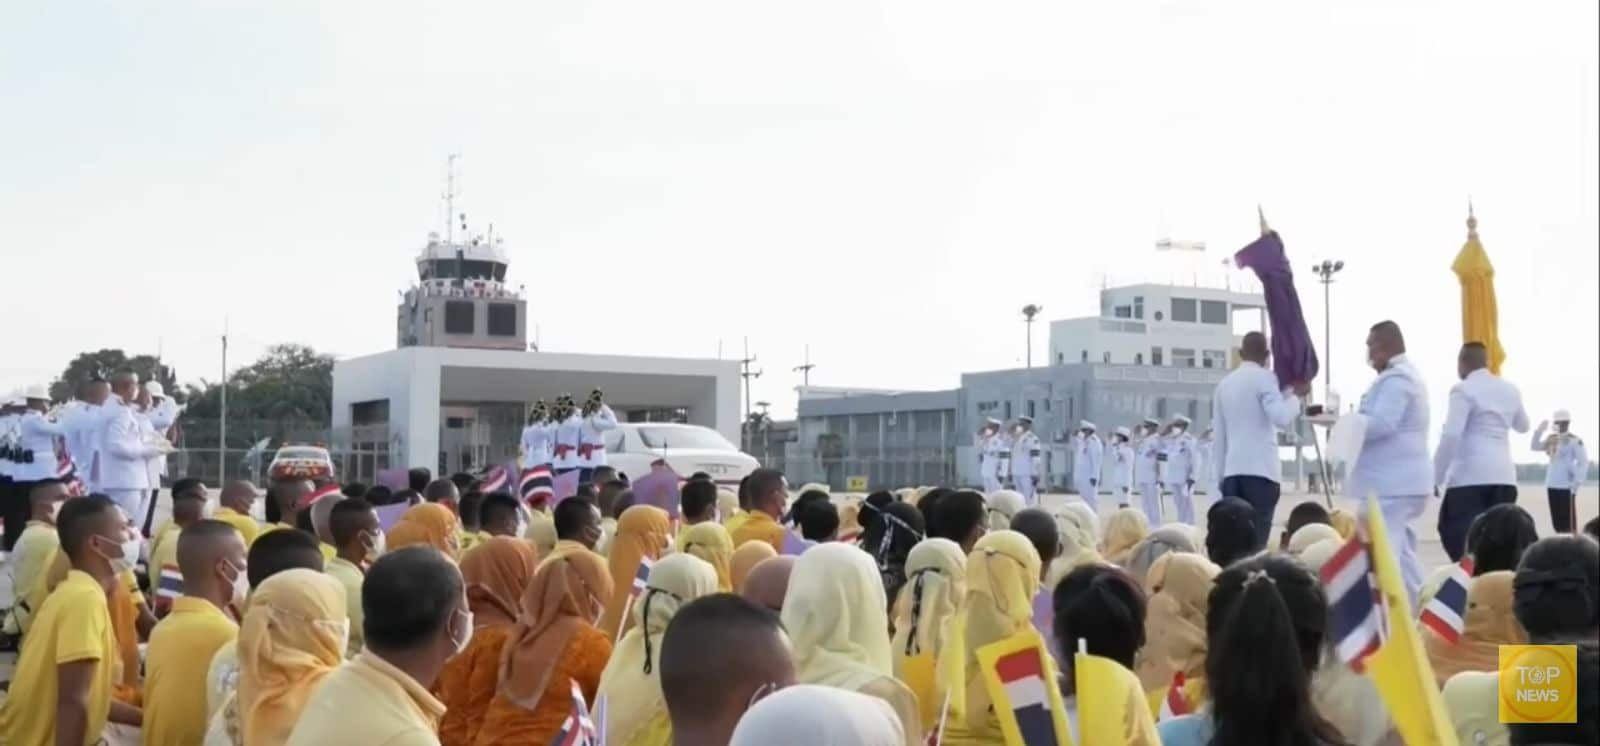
x=805, y=369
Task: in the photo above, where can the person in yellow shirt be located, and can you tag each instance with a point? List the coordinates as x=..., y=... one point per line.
x=769, y=491
x=188, y=508
x=359, y=541
x=237, y=500
x=34, y=551
x=577, y=524
x=61, y=690
x=499, y=515
x=211, y=555
x=416, y=619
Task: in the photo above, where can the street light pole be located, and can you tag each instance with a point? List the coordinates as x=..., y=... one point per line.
x=1028, y=312
x=1325, y=272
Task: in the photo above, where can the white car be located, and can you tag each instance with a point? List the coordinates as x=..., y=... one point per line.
x=632, y=446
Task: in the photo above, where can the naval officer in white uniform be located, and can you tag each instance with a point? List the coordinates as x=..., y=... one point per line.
x=1088, y=458
x=122, y=470
x=1025, y=461
x=1472, y=462
x=990, y=444
x=1569, y=467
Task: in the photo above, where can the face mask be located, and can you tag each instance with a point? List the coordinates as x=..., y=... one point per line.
x=51, y=512
x=209, y=511
x=130, y=555
x=522, y=528
x=376, y=546
x=466, y=637
x=240, y=583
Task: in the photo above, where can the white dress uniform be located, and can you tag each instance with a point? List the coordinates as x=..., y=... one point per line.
x=1394, y=463
x=36, y=435
x=1180, y=450
x=79, y=419
x=1087, y=459
x=1025, y=465
x=538, y=441
x=1204, y=472
x=1119, y=477
x=1474, y=446
x=162, y=414
x=122, y=470
x=565, y=453
x=1147, y=474
x=1569, y=467
x=591, y=438
x=989, y=449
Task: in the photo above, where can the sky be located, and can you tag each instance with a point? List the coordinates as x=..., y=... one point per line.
x=887, y=182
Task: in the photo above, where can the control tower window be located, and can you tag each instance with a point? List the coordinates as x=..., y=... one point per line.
x=458, y=317
x=502, y=319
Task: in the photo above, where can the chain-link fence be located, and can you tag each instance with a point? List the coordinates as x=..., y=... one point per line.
x=358, y=453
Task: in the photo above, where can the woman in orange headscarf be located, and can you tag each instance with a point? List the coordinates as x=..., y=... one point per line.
x=710, y=542
x=496, y=573
x=643, y=531
x=553, y=644
x=1487, y=624
x=292, y=637
x=429, y=523
x=745, y=558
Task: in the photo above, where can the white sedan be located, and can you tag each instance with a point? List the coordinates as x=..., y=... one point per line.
x=633, y=446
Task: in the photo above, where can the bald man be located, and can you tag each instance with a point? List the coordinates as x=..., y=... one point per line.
x=1472, y=462
x=1248, y=410
x=720, y=655
x=1394, y=463
x=768, y=582
x=235, y=506
x=211, y=555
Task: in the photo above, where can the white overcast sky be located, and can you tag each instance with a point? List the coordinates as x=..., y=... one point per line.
x=887, y=182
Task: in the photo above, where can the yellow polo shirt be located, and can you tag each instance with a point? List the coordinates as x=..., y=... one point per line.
x=248, y=527
x=392, y=708
x=328, y=552
x=30, y=559
x=180, y=651
x=350, y=576
x=73, y=625
x=759, y=527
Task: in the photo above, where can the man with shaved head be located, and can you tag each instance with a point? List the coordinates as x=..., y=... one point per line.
x=720, y=655
x=236, y=503
x=1247, y=411
x=211, y=555
x=1473, y=459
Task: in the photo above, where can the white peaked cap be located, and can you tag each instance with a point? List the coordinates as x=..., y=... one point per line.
x=1181, y=418
x=1085, y=425
x=1562, y=415
x=154, y=389
x=36, y=391
x=991, y=421
x=1124, y=432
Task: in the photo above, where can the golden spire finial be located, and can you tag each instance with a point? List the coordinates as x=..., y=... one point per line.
x=1472, y=221
x=1262, y=216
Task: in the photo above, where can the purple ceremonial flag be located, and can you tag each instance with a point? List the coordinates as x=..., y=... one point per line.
x=565, y=485
x=388, y=515
x=394, y=479
x=1294, y=357
x=794, y=545
x=658, y=488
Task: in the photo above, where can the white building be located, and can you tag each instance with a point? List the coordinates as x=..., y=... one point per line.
x=1160, y=325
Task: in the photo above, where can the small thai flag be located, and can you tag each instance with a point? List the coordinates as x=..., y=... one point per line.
x=497, y=480
x=168, y=586
x=63, y=459
x=331, y=488
x=641, y=576
x=536, y=486
x=578, y=729
x=1175, y=704
x=1355, y=619
x=1446, y=613
x=794, y=545
x=1022, y=675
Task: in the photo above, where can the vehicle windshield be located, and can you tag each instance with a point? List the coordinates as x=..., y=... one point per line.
x=698, y=438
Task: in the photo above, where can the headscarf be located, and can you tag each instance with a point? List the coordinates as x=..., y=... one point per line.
x=1002, y=580
x=631, y=682
x=567, y=593
x=495, y=574
x=1173, y=537
x=768, y=582
x=806, y=715
x=1179, y=585
x=902, y=529
x=1123, y=530
x=836, y=616
x=542, y=532
x=431, y=524
x=727, y=504
x=712, y=543
x=1003, y=506
x=936, y=582
x=1489, y=624
x=642, y=531
x=1309, y=534
x=292, y=637
x=1343, y=522
x=1078, y=528
x=745, y=558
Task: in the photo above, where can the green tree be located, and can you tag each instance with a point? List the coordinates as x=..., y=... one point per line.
x=103, y=363
x=288, y=389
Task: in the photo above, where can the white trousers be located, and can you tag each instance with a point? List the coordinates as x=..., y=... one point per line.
x=991, y=482
x=132, y=502
x=1183, y=500
x=1398, y=513
x=1024, y=485
x=1150, y=500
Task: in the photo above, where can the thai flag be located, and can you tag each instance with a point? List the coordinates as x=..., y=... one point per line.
x=63, y=460
x=331, y=488
x=578, y=729
x=1175, y=704
x=1022, y=675
x=641, y=576
x=1355, y=609
x=168, y=586
x=794, y=545
x=537, y=486
x=1446, y=613
x=497, y=480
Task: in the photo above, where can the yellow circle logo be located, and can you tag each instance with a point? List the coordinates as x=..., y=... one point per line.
x=1538, y=683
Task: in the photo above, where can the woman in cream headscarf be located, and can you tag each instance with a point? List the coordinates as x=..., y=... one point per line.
x=636, y=713
x=553, y=644
x=936, y=583
x=292, y=637
x=1179, y=586
x=541, y=531
x=1488, y=624
x=835, y=614
x=495, y=573
x=429, y=523
x=727, y=506
x=643, y=531
x=1002, y=579
x=805, y=715
x=1079, y=530
x=1173, y=537
x=1003, y=506
x=1123, y=531
x=712, y=543
x=745, y=558
x=1309, y=534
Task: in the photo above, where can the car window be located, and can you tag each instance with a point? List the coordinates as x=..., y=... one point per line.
x=699, y=438
x=614, y=440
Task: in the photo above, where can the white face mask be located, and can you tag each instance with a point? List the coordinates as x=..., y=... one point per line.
x=376, y=546
x=130, y=555
x=240, y=584
x=522, y=527
x=209, y=511
x=466, y=637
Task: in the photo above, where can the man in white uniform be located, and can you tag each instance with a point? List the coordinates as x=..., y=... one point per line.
x=82, y=422
x=1569, y=467
x=537, y=437
x=121, y=469
x=1087, y=459
x=1179, y=447
x=568, y=428
x=1025, y=460
x=1147, y=470
x=1394, y=463
x=1473, y=459
x=1205, y=469
x=1120, y=474
x=597, y=419
x=990, y=444
x=1247, y=411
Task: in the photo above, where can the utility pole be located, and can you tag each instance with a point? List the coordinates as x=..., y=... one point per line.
x=222, y=435
x=805, y=370
x=1325, y=272
x=746, y=373
x=1028, y=312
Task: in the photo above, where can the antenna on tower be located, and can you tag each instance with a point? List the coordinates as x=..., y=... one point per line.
x=450, y=196
x=746, y=373
x=805, y=369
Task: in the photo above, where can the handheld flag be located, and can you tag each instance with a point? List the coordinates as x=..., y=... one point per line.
x=641, y=576
x=1027, y=703
x=497, y=480
x=1175, y=704
x=331, y=488
x=563, y=486
x=388, y=515
x=1445, y=614
x=1400, y=669
x=169, y=586
x=578, y=729
x=537, y=486
x=1355, y=618
x=659, y=487
x=1294, y=357
x=1480, y=315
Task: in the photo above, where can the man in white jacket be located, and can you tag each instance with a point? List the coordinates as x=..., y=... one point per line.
x=122, y=470
x=1247, y=411
x=1088, y=454
x=1473, y=459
